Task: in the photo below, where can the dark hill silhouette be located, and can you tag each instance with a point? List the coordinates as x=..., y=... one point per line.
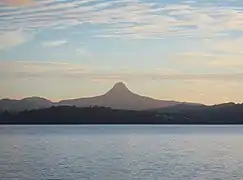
x=24, y=104
x=119, y=97
x=181, y=107
x=225, y=114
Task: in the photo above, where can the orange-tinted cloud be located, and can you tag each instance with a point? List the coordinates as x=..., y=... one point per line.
x=17, y=2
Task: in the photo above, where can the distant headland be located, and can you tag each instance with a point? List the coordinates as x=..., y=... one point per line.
x=119, y=97
x=118, y=106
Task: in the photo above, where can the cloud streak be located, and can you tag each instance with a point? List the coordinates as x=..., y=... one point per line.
x=54, y=43
x=220, y=53
x=16, y=2
x=67, y=70
x=126, y=18
x=12, y=39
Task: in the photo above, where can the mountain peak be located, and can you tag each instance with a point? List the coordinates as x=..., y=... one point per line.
x=119, y=89
x=120, y=85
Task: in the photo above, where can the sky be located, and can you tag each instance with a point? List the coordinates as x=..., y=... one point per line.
x=185, y=50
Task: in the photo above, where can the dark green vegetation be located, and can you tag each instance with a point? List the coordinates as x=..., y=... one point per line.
x=220, y=114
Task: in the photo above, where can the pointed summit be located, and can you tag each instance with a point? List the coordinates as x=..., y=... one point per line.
x=120, y=86
x=120, y=97
x=119, y=89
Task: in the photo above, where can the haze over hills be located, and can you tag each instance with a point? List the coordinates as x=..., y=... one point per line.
x=119, y=97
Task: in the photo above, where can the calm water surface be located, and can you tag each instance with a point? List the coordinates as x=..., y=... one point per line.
x=121, y=152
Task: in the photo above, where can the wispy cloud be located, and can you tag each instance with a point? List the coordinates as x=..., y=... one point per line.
x=54, y=43
x=231, y=46
x=84, y=52
x=217, y=53
x=16, y=2
x=12, y=39
x=127, y=18
x=67, y=70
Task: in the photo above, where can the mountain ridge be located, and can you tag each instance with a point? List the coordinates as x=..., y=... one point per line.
x=118, y=97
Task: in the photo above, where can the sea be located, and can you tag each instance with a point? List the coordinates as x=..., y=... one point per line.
x=121, y=152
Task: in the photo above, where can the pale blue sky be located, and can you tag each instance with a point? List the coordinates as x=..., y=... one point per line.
x=187, y=50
